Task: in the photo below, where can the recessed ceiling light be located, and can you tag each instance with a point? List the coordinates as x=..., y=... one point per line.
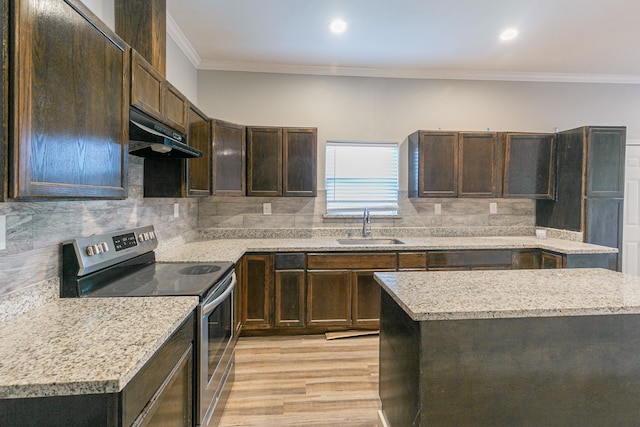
x=509, y=34
x=338, y=26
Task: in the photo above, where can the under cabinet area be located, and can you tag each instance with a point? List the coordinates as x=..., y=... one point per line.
x=70, y=108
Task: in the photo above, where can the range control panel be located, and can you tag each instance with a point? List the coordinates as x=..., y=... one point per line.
x=103, y=250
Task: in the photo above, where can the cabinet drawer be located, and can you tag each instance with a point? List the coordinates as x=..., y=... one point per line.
x=351, y=261
x=412, y=260
x=469, y=259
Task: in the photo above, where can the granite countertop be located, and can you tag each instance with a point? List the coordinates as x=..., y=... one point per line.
x=233, y=249
x=85, y=345
x=457, y=295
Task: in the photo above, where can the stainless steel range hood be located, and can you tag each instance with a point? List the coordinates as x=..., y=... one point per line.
x=150, y=138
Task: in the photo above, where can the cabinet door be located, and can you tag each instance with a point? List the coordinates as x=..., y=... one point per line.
x=146, y=86
x=526, y=259
x=329, y=298
x=70, y=103
x=438, y=164
x=199, y=169
x=551, y=260
x=257, y=278
x=604, y=219
x=605, y=161
x=229, y=159
x=174, y=107
x=565, y=212
x=289, y=298
x=299, y=162
x=480, y=166
x=264, y=161
x=366, y=299
x=529, y=166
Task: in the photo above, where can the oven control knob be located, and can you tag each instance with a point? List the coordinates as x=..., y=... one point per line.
x=104, y=247
x=152, y=235
x=97, y=248
x=141, y=237
x=90, y=251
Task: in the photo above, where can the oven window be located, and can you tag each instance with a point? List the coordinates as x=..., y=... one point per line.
x=219, y=333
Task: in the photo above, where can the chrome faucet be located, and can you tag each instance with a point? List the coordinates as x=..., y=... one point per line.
x=366, y=223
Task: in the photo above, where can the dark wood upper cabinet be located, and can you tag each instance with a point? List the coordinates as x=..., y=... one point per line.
x=155, y=96
x=143, y=25
x=605, y=162
x=299, y=162
x=228, y=159
x=281, y=161
x=433, y=164
x=590, y=186
x=480, y=165
x=69, y=74
x=454, y=164
x=199, y=169
x=529, y=165
x=264, y=161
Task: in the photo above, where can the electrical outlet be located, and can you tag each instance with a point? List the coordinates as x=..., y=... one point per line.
x=266, y=208
x=493, y=208
x=3, y=232
x=438, y=209
x=176, y=210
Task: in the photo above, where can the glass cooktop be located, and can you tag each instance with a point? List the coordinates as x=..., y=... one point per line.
x=171, y=279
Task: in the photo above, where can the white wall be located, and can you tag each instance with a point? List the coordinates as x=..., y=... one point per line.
x=382, y=109
x=181, y=72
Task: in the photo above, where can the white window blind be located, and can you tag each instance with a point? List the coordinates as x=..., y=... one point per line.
x=361, y=175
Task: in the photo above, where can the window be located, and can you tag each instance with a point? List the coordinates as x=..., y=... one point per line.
x=361, y=175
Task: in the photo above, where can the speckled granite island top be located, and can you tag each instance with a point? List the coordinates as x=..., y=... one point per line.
x=85, y=346
x=457, y=295
x=233, y=249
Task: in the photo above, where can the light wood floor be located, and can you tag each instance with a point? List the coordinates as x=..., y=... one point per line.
x=304, y=381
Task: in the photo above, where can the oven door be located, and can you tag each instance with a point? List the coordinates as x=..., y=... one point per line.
x=216, y=349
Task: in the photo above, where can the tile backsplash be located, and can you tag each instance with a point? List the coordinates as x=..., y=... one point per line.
x=306, y=213
x=36, y=229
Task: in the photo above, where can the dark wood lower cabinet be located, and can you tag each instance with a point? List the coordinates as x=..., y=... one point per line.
x=551, y=260
x=257, y=284
x=297, y=292
x=329, y=298
x=366, y=299
x=289, y=298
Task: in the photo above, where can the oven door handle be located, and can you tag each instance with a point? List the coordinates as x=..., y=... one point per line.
x=210, y=306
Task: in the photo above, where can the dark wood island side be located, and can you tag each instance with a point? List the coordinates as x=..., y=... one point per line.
x=510, y=348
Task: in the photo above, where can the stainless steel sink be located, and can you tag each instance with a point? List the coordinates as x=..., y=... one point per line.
x=370, y=242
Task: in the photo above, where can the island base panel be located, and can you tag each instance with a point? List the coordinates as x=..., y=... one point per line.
x=560, y=371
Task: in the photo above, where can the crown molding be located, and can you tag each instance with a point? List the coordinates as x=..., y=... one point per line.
x=174, y=31
x=416, y=73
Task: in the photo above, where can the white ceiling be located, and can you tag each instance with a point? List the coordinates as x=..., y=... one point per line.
x=560, y=40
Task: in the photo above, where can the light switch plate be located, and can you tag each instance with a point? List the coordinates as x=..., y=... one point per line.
x=493, y=208
x=266, y=208
x=438, y=209
x=3, y=232
x=176, y=210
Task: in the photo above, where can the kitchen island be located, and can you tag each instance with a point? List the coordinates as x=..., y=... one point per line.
x=510, y=348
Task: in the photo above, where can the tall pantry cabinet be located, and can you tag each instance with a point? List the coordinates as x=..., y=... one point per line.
x=590, y=187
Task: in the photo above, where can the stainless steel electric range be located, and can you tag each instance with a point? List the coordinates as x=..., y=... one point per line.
x=122, y=264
